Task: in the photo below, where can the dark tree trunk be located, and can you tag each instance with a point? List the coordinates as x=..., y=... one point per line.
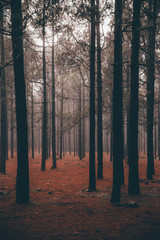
x=44, y=117
x=39, y=137
x=99, y=94
x=22, y=181
x=111, y=132
x=58, y=133
x=69, y=133
x=92, y=174
x=155, y=142
x=128, y=92
x=3, y=101
x=159, y=124
x=61, y=124
x=53, y=102
x=74, y=140
x=6, y=131
x=107, y=143
x=79, y=126
x=32, y=121
x=117, y=106
x=12, y=127
x=74, y=136
x=83, y=127
x=152, y=16
x=133, y=187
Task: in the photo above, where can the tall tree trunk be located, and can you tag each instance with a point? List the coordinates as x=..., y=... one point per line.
x=22, y=181
x=61, y=124
x=83, y=127
x=159, y=123
x=12, y=127
x=117, y=106
x=144, y=143
x=111, y=132
x=58, y=133
x=32, y=121
x=92, y=174
x=133, y=187
x=44, y=117
x=152, y=16
x=128, y=92
x=99, y=94
x=155, y=136
x=79, y=126
x=53, y=101
x=74, y=140
x=3, y=100
x=6, y=131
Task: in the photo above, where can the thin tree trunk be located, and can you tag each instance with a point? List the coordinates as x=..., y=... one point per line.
x=44, y=118
x=83, y=128
x=152, y=16
x=3, y=100
x=159, y=124
x=61, y=124
x=32, y=122
x=92, y=174
x=79, y=126
x=128, y=92
x=111, y=132
x=12, y=127
x=53, y=102
x=155, y=137
x=99, y=94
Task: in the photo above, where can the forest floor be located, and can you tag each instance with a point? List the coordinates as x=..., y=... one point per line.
x=62, y=208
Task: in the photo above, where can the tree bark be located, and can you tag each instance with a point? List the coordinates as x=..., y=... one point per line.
x=12, y=126
x=44, y=117
x=152, y=16
x=99, y=94
x=133, y=187
x=3, y=101
x=159, y=124
x=22, y=181
x=32, y=121
x=61, y=124
x=79, y=126
x=117, y=106
x=92, y=175
x=53, y=101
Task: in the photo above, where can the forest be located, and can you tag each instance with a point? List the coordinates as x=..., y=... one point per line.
x=79, y=119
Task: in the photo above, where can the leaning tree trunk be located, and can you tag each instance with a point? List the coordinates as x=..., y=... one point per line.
x=92, y=174
x=152, y=16
x=99, y=94
x=133, y=187
x=22, y=181
x=117, y=106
